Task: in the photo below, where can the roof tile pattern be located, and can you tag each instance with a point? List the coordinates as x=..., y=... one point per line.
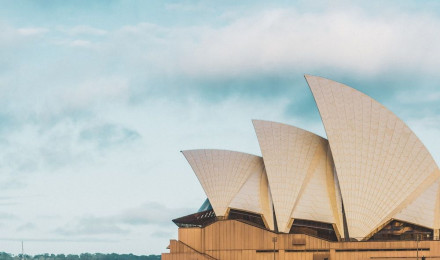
x=292, y=156
x=318, y=202
x=254, y=196
x=379, y=161
x=222, y=175
x=422, y=211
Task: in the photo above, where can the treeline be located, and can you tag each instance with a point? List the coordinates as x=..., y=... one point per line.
x=86, y=256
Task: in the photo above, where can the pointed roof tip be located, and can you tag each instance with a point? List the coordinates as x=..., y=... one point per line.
x=190, y=150
x=345, y=174
x=186, y=152
x=317, y=76
x=256, y=121
x=309, y=77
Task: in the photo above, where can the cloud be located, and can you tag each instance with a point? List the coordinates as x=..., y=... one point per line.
x=60, y=240
x=6, y=197
x=96, y=90
x=80, y=43
x=186, y=7
x=261, y=53
x=162, y=234
x=84, y=30
x=152, y=214
x=353, y=41
x=252, y=54
x=32, y=31
x=108, y=134
x=26, y=227
x=9, y=200
x=4, y=216
x=90, y=226
x=13, y=39
x=12, y=184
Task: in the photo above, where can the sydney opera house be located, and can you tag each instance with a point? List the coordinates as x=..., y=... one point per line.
x=369, y=191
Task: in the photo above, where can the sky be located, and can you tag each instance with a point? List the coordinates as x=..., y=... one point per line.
x=98, y=98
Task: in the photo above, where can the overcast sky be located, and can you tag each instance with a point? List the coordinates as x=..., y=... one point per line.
x=98, y=97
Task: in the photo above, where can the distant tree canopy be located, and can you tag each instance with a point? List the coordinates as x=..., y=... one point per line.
x=85, y=256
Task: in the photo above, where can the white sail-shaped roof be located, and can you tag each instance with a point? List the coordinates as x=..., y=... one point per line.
x=223, y=174
x=381, y=165
x=254, y=196
x=293, y=157
x=424, y=210
x=320, y=199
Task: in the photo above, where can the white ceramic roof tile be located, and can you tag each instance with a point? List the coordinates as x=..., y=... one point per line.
x=254, y=196
x=222, y=174
x=381, y=164
x=314, y=203
x=296, y=166
x=248, y=197
x=422, y=210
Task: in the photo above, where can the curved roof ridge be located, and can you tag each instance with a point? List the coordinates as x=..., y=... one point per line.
x=300, y=128
x=291, y=156
x=222, y=174
x=368, y=142
x=421, y=211
x=216, y=149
